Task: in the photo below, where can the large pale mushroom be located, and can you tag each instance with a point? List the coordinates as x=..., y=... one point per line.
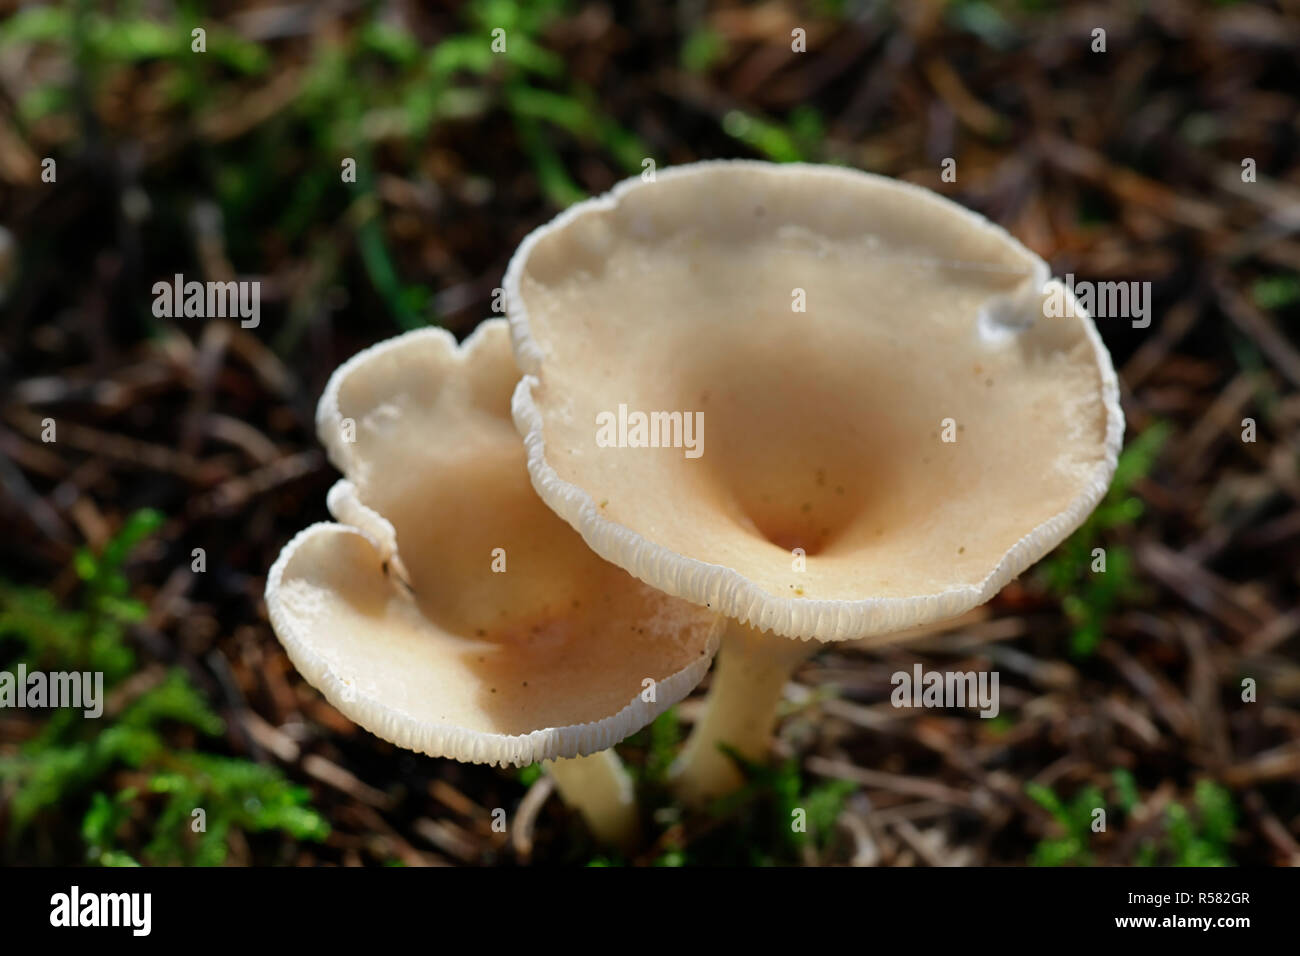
x=894, y=428
x=451, y=612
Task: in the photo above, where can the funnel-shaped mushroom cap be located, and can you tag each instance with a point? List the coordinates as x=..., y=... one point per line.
x=878, y=383
x=512, y=641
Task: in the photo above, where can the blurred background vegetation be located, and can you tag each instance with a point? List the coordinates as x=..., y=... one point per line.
x=137, y=543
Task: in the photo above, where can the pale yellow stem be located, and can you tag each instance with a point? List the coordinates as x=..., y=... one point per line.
x=749, y=678
x=599, y=788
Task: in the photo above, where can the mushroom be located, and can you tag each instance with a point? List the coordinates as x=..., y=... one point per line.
x=450, y=612
x=895, y=429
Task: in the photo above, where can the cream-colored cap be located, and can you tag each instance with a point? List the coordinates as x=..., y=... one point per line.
x=453, y=613
x=877, y=372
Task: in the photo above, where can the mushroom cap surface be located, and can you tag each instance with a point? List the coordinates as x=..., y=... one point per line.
x=826, y=430
x=397, y=616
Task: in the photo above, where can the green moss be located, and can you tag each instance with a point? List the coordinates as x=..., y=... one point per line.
x=1089, y=597
x=72, y=761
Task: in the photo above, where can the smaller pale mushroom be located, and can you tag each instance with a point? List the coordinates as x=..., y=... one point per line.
x=451, y=612
x=895, y=429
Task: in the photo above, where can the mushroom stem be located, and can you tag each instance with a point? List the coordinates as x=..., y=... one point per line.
x=749, y=678
x=599, y=788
